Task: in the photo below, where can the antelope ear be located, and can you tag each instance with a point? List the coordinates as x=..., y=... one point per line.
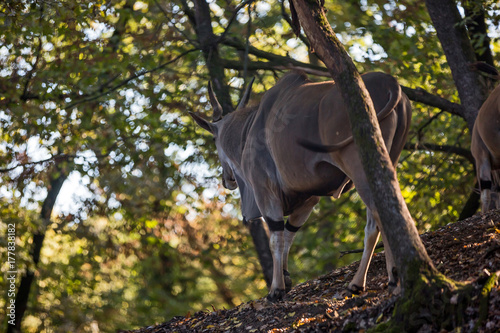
x=202, y=122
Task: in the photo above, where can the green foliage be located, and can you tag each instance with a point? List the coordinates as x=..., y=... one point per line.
x=101, y=90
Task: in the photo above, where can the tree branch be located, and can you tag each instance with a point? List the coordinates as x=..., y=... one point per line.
x=277, y=62
x=192, y=42
x=421, y=96
x=343, y=253
x=210, y=48
x=274, y=58
x=231, y=20
x=465, y=153
x=50, y=159
x=126, y=81
x=289, y=21
x=54, y=158
x=29, y=76
x=478, y=30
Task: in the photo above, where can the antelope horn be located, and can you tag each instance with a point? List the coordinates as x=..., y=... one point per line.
x=215, y=104
x=246, y=95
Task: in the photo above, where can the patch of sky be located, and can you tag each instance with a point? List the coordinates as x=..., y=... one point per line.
x=141, y=146
x=74, y=192
x=23, y=66
x=228, y=208
x=262, y=8
x=32, y=195
x=4, y=117
x=158, y=87
x=48, y=47
x=370, y=50
x=201, y=172
x=97, y=30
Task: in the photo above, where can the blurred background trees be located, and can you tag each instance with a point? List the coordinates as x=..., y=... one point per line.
x=120, y=217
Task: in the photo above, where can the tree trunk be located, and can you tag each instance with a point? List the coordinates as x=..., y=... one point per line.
x=396, y=219
x=261, y=242
x=208, y=44
x=28, y=277
x=460, y=54
x=422, y=285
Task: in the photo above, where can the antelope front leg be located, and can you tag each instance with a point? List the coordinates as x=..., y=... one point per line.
x=277, y=245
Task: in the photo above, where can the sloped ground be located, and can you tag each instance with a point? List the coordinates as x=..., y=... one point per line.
x=468, y=250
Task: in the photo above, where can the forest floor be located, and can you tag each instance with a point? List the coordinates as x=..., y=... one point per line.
x=465, y=251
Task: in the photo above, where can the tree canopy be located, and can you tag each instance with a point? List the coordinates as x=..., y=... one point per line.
x=95, y=95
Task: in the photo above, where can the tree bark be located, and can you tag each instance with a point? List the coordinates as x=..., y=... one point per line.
x=460, y=55
x=208, y=44
x=425, y=291
x=28, y=277
x=396, y=219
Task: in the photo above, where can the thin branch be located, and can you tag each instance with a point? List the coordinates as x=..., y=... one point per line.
x=50, y=159
x=427, y=123
x=289, y=21
x=465, y=153
x=172, y=25
x=54, y=158
x=343, y=253
x=189, y=13
x=422, y=96
x=231, y=20
x=247, y=46
x=126, y=81
x=29, y=76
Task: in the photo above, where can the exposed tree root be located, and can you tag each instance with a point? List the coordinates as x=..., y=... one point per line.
x=484, y=297
x=437, y=302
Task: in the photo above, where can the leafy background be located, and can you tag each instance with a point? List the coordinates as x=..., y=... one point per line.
x=96, y=93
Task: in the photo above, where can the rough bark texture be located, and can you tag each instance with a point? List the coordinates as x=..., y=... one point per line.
x=428, y=297
x=28, y=277
x=460, y=54
x=396, y=220
x=208, y=44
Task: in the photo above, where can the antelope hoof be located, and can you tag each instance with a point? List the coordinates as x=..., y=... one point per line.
x=288, y=281
x=355, y=289
x=276, y=295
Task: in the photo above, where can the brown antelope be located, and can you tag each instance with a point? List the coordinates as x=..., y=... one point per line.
x=268, y=151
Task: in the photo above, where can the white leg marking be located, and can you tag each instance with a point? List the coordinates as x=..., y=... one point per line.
x=371, y=237
x=276, y=242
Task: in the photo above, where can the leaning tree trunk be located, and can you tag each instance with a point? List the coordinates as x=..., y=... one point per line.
x=425, y=290
x=28, y=277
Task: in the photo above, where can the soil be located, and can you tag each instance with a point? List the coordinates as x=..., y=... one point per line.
x=467, y=251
